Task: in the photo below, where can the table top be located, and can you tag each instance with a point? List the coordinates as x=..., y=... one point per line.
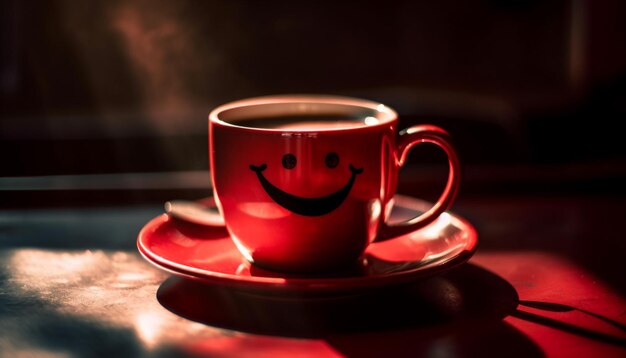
x=547, y=280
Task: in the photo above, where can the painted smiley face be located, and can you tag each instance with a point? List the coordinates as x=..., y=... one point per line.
x=307, y=206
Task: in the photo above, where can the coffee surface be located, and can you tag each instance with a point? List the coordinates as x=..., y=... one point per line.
x=304, y=122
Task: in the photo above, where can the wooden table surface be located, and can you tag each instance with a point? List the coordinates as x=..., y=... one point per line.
x=547, y=280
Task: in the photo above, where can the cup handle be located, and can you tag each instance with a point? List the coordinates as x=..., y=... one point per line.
x=407, y=139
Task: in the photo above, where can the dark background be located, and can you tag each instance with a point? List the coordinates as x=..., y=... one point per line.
x=533, y=92
x=103, y=117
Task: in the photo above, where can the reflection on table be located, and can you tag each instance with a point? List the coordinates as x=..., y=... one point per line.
x=71, y=283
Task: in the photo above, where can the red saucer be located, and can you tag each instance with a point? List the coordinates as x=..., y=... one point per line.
x=212, y=256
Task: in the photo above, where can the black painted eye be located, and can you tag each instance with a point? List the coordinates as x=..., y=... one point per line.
x=289, y=161
x=332, y=160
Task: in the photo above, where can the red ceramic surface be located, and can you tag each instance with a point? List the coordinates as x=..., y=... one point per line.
x=211, y=255
x=309, y=193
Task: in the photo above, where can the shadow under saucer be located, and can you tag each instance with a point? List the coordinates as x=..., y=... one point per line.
x=456, y=305
x=466, y=293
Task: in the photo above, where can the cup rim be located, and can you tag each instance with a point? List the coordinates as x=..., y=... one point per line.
x=388, y=115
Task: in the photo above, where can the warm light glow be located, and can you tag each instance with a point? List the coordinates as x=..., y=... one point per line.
x=438, y=240
x=433, y=230
x=54, y=267
x=242, y=249
x=243, y=269
x=112, y=288
x=370, y=121
x=148, y=326
x=375, y=209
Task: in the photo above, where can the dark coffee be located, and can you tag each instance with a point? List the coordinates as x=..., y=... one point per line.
x=306, y=122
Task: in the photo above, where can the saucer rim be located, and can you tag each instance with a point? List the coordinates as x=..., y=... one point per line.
x=313, y=284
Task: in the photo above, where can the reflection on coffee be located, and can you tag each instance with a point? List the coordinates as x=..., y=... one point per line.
x=304, y=122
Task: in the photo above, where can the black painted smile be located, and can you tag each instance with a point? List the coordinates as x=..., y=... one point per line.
x=306, y=206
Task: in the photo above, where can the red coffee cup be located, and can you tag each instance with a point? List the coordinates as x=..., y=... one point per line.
x=305, y=182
